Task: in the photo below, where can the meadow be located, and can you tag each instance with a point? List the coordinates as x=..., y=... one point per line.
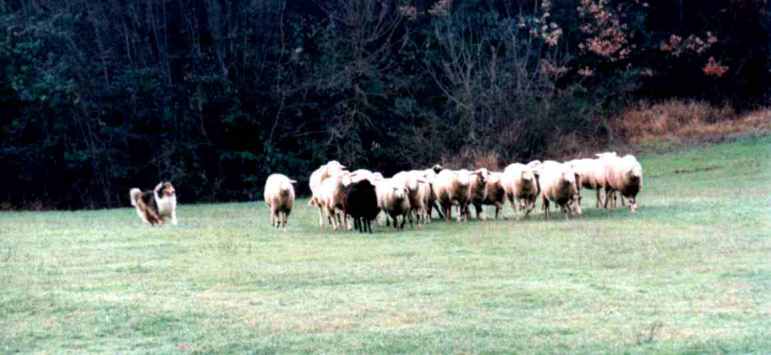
x=689, y=273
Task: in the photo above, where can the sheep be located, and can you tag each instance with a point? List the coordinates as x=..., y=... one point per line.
x=279, y=196
x=330, y=197
x=534, y=165
x=592, y=174
x=608, y=159
x=560, y=184
x=362, y=174
x=494, y=194
x=449, y=188
x=625, y=175
x=476, y=190
x=520, y=184
x=317, y=178
x=361, y=204
x=426, y=201
x=452, y=187
x=431, y=200
x=393, y=199
x=415, y=184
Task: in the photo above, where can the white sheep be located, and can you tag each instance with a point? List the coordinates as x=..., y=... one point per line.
x=592, y=174
x=317, y=178
x=426, y=201
x=393, y=199
x=331, y=198
x=416, y=185
x=560, y=184
x=431, y=200
x=534, y=164
x=452, y=188
x=623, y=175
x=476, y=189
x=494, y=194
x=520, y=184
x=364, y=174
x=279, y=196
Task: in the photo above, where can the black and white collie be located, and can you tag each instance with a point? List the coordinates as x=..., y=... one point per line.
x=155, y=206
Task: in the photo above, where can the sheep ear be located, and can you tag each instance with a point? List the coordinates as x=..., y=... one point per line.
x=292, y=181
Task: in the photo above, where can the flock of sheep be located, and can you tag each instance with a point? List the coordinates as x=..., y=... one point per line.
x=413, y=195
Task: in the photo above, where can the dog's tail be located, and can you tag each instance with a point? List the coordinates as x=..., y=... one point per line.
x=135, y=194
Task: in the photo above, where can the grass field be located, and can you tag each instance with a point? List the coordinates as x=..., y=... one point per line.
x=690, y=272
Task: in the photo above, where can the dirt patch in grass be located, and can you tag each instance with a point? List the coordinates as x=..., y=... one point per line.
x=696, y=170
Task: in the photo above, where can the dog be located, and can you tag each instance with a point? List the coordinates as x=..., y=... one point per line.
x=156, y=206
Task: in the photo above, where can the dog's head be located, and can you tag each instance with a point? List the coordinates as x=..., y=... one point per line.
x=168, y=189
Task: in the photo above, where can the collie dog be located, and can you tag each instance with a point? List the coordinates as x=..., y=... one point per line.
x=155, y=206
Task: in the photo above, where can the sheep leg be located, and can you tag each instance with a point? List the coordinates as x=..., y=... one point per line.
x=545, y=204
x=404, y=221
x=330, y=220
x=332, y=217
x=529, y=206
x=447, y=215
x=599, y=198
x=479, y=210
x=497, y=209
x=435, y=206
x=510, y=197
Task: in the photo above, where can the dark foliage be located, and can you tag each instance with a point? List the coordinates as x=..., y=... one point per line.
x=100, y=96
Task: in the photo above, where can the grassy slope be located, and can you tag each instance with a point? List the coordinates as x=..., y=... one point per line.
x=691, y=272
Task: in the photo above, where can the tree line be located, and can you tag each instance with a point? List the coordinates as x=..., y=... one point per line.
x=214, y=95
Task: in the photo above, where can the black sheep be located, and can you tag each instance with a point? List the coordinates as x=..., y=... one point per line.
x=361, y=203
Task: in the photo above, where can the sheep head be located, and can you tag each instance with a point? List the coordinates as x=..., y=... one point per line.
x=527, y=175
x=481, y=175
x=399, y=193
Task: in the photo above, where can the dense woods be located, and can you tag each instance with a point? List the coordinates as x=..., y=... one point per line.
x=100, y=96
